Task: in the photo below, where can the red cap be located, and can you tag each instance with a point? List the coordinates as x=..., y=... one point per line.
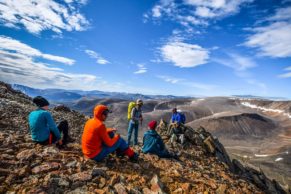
x=152, y=125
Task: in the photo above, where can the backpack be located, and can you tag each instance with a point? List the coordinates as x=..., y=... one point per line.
x=131, y=105
x=183, y=118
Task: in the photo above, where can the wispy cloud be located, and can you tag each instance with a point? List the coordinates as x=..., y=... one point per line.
x=237, y=62
x=197, y=12
x=141, y=69
x=241, y=66
x=97, y=56
x=274, y=38
x=258, y=84
x=19, y=64
x=183, y=54
x=169, y=79
x=37, y=16
x=12, y=45
x=185, y=83
x=215, y=8
x=286, y=75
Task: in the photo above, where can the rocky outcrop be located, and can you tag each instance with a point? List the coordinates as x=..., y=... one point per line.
x=26, y=167
x=247, y=172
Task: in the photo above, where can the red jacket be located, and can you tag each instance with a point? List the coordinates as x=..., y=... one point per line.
x=96, y=134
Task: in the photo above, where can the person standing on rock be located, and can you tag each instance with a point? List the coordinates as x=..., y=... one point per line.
x=42, y=126
x=153, y=143
x=135, y=120
x=99, y=141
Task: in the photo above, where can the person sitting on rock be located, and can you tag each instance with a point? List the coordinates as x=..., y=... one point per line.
x=153, y=143
x=42, y=126
x=99, y=141
x=176, y=128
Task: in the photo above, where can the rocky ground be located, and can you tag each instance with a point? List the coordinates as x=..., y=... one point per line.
x=26, y=167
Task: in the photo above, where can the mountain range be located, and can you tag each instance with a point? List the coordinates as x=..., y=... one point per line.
x=61, y=95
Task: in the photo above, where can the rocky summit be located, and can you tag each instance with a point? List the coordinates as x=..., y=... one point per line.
x=26, y=167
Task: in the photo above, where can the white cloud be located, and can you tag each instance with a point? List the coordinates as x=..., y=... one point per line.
x=9, y=44
x=141, y=69
x=19, y=65
x=184, y=54
x=171, y=80
x=216, y=8
x=196, y=12
x=185, y=83
x=97, y=56
x=286, y=75
x=273, y=39
x=37, y=16
x=204, y=12
x=156, y=11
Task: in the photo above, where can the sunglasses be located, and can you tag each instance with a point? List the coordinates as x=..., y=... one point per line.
x=106, y=112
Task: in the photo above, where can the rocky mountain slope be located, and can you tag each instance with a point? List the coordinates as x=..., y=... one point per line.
x=26, y=167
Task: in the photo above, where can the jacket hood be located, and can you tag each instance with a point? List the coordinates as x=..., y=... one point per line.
x=98, y=110
x=151, y=132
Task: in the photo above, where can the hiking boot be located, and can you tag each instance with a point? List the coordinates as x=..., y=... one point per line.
x=134, y=158
x=119, y=154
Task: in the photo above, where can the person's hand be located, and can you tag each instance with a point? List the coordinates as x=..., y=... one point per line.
x=60, y=142
x=114, y=129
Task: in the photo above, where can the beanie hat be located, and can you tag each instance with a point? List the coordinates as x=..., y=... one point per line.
x=152, y=125
x=40, y=101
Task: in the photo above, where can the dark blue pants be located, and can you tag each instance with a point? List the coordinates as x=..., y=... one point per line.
x=120, y=145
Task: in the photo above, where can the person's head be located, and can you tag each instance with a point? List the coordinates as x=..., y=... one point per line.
x=101, y=112
x=139, y=102
x=152, y=125
x=41, y=102
x=174, y=110
x=105, y=114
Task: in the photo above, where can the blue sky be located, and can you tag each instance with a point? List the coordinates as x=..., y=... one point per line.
x=185, y=47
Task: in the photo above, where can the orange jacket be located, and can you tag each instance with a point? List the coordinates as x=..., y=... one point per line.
x=95, y=134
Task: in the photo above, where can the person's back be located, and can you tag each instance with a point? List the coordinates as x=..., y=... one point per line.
x=153, y=143
x=38, y=124
x=42, y=126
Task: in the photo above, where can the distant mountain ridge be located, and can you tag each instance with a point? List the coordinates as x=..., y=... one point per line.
x=62, y=95
x=261, y=97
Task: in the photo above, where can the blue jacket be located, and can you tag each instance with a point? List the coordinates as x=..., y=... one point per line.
x=153, y=143
x=41, y=123
x=177, y=117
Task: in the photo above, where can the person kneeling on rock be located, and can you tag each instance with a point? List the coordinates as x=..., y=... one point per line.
x=99, y=141
x=42, y=126
x=153, y=143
